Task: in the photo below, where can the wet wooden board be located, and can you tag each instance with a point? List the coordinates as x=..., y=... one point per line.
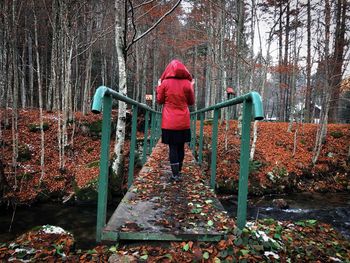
x=156, y=209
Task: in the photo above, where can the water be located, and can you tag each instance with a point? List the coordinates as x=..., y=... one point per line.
x=78, y=220
x=331, y=208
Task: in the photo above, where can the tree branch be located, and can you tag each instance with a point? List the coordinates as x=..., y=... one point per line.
x=132, y=21
x=153, y=26
x=140, y=5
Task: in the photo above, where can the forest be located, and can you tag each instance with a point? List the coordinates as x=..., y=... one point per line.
x=54, y=54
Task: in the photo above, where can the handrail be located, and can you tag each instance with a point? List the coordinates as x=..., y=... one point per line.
x=103, y=100
x=105, y=91
x=252, y=104
x=253, y=96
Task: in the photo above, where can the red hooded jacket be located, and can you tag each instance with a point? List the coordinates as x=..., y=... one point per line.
x=176, y=93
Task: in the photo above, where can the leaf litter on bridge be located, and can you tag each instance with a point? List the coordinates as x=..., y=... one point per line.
x=186, y=204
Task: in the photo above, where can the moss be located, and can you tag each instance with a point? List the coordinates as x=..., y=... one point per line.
x=96, y=126
x=24, y=153
x=89, y=150
x=208, y=122
x=87, y=193
x=25, y=176
x=116, y=180
x=228, y=186
x=336, y=134
x=93, y=129
x=254, y=166
x=93, y=164
x=34, y=127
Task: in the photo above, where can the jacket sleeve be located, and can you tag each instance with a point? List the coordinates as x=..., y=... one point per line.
x=160, y=94
x=189, y=93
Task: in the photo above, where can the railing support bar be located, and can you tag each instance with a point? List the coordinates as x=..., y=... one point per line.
x=200, y=153
x=145, y=139
x=153, y=119
x=132, y=145
x=194, y=135
x=244, y=165
x=103, y=178
x=214, y=149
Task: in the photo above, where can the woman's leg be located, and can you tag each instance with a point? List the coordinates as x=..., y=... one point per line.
x=181, y=154
x=174, y=160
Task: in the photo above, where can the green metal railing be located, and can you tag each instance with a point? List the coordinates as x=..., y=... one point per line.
x=251, y=105
x=103, y=100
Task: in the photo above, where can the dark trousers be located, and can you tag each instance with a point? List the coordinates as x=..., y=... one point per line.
x=176, y=153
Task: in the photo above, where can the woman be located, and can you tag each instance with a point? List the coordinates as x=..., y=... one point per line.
x=176, y=93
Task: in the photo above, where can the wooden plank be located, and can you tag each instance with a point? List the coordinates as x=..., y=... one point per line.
x=156, y=209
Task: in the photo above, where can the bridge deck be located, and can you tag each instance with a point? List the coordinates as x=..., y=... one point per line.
x=155, y=209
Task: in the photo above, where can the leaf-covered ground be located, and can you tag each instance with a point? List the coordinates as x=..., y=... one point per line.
x=274, y=168
x=262, y=241
x=82, y=154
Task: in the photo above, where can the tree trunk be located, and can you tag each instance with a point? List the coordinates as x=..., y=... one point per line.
x=23, y=77
x=144, y=75
x=31, y=70
x=208, y=69
x=4, y=32
x=53, y=66
x=15, y=85
x=38, y=70
x=307, y=113
x=119, y=42
x=322, y=127
x=337, y=59
x=286, y=74
x=239, y=48
x=194, y=70
x=293, y=80
x=155, y=72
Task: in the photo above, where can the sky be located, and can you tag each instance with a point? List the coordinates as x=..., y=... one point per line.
x=264, y=24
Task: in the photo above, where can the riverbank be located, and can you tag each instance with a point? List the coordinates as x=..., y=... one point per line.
x=275, y=168
x=282, y=161
x=80, y=220
x=262, y=241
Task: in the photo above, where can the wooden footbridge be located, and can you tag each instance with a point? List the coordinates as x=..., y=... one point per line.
x=156, y=209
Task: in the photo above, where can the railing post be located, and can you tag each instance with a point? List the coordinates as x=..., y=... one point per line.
x=132, y=145
x=244, y=165
x=214, y=149
x=200, y=153
x=103, y=178
x=151, y=140
x=191, y=129
x=158, y=129
x=194, y=135
x=145, y=139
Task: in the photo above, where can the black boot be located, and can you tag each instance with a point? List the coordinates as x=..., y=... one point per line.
x=175, y=170
x=180, y=168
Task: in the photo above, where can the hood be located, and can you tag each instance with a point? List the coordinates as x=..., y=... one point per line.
x=176, y=69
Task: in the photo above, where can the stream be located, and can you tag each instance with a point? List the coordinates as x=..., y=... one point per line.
x=80, y=220
x=331, y=208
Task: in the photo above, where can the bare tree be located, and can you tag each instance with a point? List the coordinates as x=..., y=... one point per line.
x=38, y=70
x=325, y=67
